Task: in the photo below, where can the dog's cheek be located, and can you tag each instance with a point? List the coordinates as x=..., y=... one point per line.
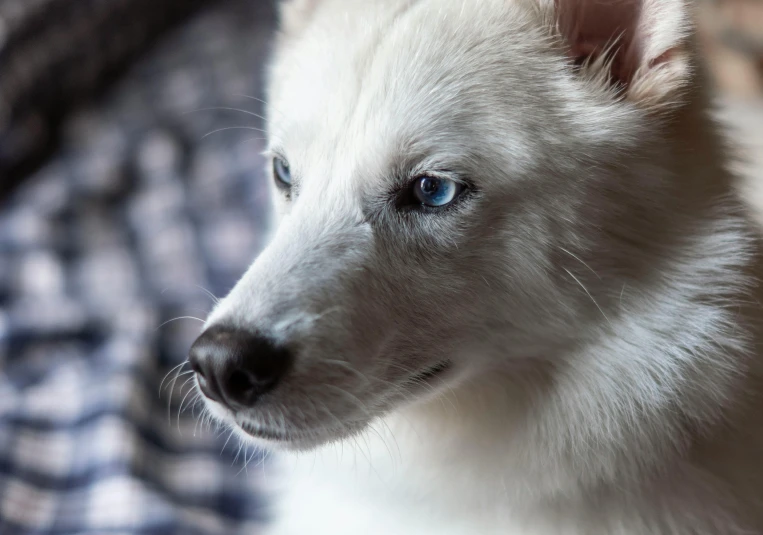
x=280, y=203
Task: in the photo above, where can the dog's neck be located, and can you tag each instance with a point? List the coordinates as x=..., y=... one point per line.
x=642, y=422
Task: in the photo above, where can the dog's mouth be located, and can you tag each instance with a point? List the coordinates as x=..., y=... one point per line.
x=284, y=439
x=430, y=373
x=299, y=440
x=262, y=432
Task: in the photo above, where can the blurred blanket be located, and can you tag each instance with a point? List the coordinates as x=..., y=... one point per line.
x=54, y=53
x=133, y=223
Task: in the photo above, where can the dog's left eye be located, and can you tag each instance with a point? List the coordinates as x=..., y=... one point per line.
x=436, y=192
x=282, y=172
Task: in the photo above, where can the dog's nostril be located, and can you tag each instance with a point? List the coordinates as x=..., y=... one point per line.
x=240, y=381
x=241, y=385
x=196, y=367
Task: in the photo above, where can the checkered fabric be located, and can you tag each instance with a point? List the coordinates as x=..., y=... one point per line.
x=57, y=52
x=134, y=219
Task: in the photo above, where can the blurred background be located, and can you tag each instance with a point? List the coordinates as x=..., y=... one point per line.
x=132, y=193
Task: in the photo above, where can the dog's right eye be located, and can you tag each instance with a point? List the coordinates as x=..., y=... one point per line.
x=434, y=192
x=282, y=173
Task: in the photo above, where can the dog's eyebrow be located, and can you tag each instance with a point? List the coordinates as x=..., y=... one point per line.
x=409, y=166
x=275, y=149
x=419, y=154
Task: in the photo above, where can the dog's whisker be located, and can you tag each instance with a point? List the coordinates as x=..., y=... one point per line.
x=226, y=108
x=215, y=299
x=250, y=140
x=579, y=260
x=263, y=102
x=180, y=318
x=347, y=366
x=354, y=399
x=227, y=128
x=169, y=373
x=180, y=408
x=195, y=403
x=182, y=374
x=372, y=429
x=589, y=294
x=171, y=394
x=240, y=445
x=230, y=434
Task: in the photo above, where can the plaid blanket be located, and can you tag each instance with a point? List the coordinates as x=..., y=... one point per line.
x=134, y=221
x=54, y=53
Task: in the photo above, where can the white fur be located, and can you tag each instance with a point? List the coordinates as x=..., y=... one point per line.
x=596, y=295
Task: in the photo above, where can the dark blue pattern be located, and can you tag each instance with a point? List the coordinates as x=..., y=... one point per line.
x=133, y=219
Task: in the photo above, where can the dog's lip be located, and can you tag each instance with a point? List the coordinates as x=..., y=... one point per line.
x=431, y=372
x=262, y=432
x=299, y=439
x=265, y=433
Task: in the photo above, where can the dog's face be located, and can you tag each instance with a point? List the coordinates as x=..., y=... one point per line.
x=455, y=198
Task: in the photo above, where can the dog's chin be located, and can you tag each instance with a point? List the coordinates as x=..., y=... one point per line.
x=282, y=439
x=302, y=440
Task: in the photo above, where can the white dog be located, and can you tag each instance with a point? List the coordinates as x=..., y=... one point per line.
x=513, y=286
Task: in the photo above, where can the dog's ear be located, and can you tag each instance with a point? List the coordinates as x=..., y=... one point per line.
x=640, y=46
x=295, y=14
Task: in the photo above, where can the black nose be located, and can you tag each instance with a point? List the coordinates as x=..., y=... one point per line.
x=235, y=367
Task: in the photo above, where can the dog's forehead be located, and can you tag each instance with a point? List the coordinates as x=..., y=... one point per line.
x=401, y=77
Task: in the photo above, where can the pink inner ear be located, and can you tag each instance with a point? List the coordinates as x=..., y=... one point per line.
x=591, y=26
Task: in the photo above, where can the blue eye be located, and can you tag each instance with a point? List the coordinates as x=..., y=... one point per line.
x=436, y=192
x=282, y=172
